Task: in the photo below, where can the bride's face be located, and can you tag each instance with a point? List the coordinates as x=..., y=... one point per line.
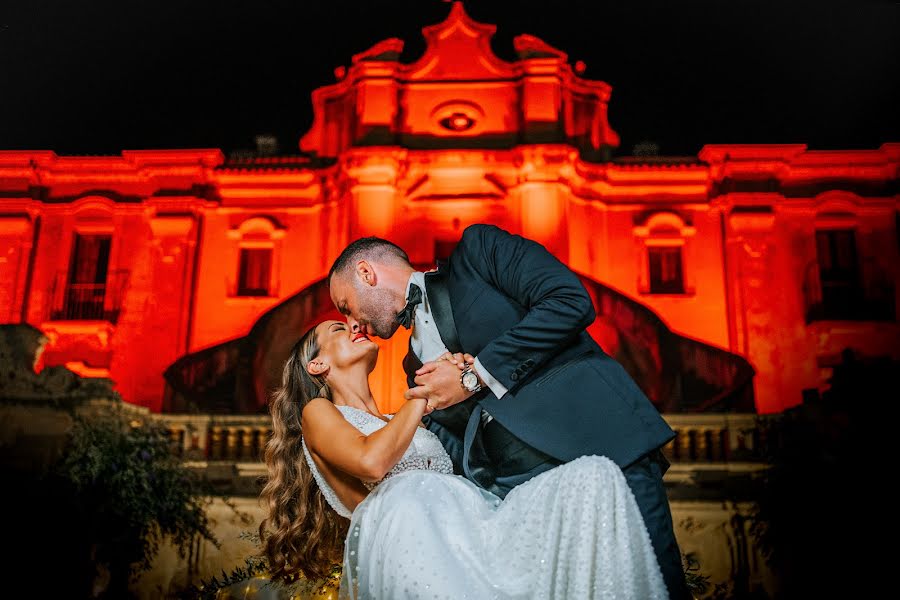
x=340, y=348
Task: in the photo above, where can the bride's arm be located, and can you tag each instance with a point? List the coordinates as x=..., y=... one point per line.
x=367, y=457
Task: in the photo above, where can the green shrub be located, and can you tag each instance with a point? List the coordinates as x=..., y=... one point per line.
x=130, y=492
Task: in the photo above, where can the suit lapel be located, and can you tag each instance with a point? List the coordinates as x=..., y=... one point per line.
x=411, y=364
x=439, y=299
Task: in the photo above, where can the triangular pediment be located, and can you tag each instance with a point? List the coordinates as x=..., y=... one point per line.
x=459, y=48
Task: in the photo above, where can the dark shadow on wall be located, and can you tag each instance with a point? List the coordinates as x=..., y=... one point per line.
x=237, y=376
x=826, y=503
x=678, y=374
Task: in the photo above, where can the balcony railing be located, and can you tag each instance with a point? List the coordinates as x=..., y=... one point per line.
x=87, y=301
x=219, y=438
x=716, y=438
x=234, y=290
x=700, y=438
x=871, y=299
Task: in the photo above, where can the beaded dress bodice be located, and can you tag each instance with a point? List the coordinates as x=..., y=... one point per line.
x=425, y=452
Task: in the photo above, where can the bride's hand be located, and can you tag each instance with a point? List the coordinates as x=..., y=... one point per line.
x=439, y=383
x=461, y=360
x=429, y=407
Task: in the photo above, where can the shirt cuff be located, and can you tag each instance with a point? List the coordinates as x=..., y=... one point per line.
x=495, y=386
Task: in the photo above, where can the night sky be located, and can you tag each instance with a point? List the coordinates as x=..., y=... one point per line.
x=100, y=76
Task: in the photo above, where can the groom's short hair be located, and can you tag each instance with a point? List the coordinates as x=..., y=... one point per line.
x=367, y=248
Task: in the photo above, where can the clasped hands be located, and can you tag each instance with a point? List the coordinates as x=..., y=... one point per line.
x=438, y=381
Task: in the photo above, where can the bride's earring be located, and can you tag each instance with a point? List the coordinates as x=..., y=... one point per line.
x=317, y=368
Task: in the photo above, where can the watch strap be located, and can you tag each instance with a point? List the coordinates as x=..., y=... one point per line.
x=462, y=380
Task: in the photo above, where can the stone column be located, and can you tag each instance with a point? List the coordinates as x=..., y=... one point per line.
x=16, y=233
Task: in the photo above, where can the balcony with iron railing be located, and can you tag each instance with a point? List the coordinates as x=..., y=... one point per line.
x=234, y=288
x=870, y=296
x=87, y=301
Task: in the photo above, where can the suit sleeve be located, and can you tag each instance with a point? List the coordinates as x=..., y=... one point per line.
x=558, y=307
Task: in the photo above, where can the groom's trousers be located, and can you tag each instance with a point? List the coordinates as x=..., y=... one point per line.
x=496, y=460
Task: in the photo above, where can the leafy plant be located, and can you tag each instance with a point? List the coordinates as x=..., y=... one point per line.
x=130, y=492
x=697, y=584
x=257, y=566
x=208, y=589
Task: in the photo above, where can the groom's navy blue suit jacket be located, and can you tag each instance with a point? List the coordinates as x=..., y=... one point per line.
x=508, y=301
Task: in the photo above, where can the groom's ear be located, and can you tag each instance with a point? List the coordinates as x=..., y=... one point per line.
x=366, y=273
x=316, y=367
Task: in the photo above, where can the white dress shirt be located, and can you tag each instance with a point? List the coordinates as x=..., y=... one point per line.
x=425, y=339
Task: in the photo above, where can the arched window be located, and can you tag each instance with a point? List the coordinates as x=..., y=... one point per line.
x=258, y=239
x=663, y=237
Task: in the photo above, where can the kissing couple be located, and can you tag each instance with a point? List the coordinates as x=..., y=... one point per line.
x=525, y=462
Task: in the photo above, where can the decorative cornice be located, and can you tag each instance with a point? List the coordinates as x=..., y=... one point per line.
x=143, y=171
x=385, y=50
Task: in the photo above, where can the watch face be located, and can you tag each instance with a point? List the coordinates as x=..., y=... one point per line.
x=470, y=381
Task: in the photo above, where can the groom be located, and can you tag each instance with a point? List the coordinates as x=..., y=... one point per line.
x=539, y=392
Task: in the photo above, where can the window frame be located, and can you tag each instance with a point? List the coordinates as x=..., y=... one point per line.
x=255, y=233
x=663, y=229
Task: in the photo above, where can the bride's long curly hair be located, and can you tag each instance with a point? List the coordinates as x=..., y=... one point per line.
x=301, y=534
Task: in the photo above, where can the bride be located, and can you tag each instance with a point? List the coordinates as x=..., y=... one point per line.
x=345, y=480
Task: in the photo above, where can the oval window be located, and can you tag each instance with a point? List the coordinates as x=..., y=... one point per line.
x=457, y=122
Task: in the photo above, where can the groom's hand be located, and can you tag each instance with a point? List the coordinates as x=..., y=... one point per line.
x=438, y=383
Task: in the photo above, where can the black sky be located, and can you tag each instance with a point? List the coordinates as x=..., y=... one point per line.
x=100, y=76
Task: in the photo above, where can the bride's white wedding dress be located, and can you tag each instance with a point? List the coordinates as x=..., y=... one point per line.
x=572, y=532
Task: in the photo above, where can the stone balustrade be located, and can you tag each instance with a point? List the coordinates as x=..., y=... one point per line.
x=715, y=438
x=700, y=438
x=219, y=438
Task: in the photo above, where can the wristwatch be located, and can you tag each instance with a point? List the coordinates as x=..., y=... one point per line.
x=469, y=380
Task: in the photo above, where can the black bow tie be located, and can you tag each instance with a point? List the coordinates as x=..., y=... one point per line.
x=405, y=316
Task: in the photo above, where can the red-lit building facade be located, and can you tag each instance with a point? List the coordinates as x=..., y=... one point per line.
x=763, y=262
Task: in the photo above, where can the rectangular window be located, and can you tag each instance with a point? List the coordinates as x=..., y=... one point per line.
x=666, y=275
x=255, y=272
x=839, y=274
x=85, y=294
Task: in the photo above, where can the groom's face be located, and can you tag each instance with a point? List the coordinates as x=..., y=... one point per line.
x=368, y=308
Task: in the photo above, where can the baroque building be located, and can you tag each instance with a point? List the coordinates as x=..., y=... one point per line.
x=727, y=281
